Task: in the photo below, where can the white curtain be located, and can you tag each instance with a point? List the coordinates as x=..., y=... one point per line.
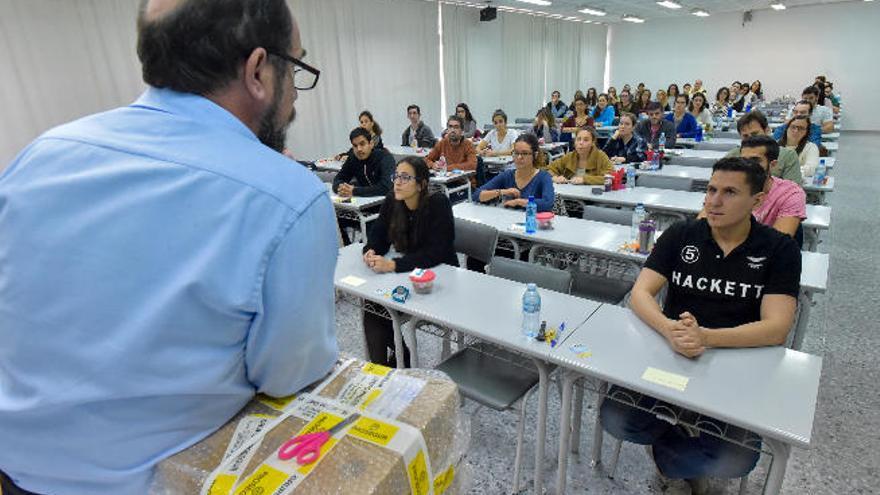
x=61, y=60
x=515, y=61
x=377, y=55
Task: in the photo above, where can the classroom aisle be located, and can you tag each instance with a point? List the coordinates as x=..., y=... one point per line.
x=842, y=329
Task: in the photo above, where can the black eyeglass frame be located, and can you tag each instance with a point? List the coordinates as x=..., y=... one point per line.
x=301, y=65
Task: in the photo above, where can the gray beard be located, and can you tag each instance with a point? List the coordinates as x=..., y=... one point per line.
x=269, y=133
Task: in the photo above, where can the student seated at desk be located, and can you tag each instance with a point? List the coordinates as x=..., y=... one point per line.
x=555, y=106
x=544, y=126
x=732, y=282
x=698, y=109
x=626, y=103
x=421, y=229
x=685, y=124
x=580, y=119
x=499, y=141
x=603, y=114
x=625, y=146
x=417, y=134
x=820, y=115
x=513, y=187
x=797, y=139
x=587, y=164
x=651, y=128
x=755, y=123
x=367, y=170
x=459, y=152
x=802, y=108
x=784, y=206
x=469, y=128
x=365, y=119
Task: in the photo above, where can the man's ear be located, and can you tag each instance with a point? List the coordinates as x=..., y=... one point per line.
x=258, y=75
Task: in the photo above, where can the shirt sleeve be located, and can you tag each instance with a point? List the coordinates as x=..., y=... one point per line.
x=470, y=158
x=546, y=195
x=292, y=340
x=790, y=167
x=383, y=184
x=345, y=174
x=810, y=159
x=663, y=257
x=497, y=182
x=439, y=237
x=784, y=271
x=778, y=132
x=795, y=204
x=434, y=154
x=377, y=236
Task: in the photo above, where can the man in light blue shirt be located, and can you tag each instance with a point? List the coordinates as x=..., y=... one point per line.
x=162, y=262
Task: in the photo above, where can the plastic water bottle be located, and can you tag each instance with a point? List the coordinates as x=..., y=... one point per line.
x=730, y=112
x=699, y=137
x=661, y=145
x=639, y=215
x=441, y=166
x=531, y=322
x=631, y=177
x=531, y=216
x=820, y=173
x=748, y=108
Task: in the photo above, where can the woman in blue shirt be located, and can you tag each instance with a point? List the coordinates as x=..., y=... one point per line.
x=603, y=115
x=514, y=187
x=685, y=124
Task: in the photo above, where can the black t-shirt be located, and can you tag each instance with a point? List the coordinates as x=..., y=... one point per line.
x=721, y=291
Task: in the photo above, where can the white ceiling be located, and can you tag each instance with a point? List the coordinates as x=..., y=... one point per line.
x=646, y=9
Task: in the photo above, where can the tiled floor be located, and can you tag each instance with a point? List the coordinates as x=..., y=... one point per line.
x=845, y=458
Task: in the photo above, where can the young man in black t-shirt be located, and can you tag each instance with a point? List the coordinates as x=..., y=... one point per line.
x=732, y=283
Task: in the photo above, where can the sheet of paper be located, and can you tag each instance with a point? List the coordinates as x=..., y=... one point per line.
x=352, y=281
x=665, y=378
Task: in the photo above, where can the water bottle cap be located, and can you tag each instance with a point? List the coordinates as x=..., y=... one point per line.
x=531, y=197
x=531, y=286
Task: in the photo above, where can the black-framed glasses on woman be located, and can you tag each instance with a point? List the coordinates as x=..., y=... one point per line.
x=305, y=77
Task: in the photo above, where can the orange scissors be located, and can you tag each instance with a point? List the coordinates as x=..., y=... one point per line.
x=307, y=448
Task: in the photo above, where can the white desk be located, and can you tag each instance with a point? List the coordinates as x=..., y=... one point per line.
x=728, y=143
x=400, y=152
x=451, y=305
x=453, y=181
x=770, y=391
x=701, y=176
x=678, y=203
x=832, y=147
x=363, y=209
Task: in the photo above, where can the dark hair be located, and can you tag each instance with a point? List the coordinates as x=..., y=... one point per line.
x=808, y=103
x=771, y=147
x=694, y=98
x=821, y=78
x=499, y=113
x=359, y=131
x=199, y=46
x=687, y=99
x=532, y=141
x=753, y=116
x=592, y=131
x=584, y=100
x=653, y=107
x=456, y=118
x=547, y=115
x=632, y=118
x=377, y=130
x=628, y=93
x=669, y=89
x=403, y=233
x=592, y=99
x=718, y=93
x=639, y=102
x=760, y=92
x=467, y=112
x=556, y=92
x=756, y=176
x=804, y=140
x=598, y=111
x=810, y=90
x=418, y=110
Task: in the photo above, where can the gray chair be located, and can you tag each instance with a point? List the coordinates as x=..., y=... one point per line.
x=492, y=376
x=663, y=182
x=599, y=288
x=523, y=120
x=712, y=145
x=619, y=216
x=475, y=240
x=692, y=162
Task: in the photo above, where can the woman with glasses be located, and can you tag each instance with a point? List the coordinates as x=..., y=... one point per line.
x=626, y=103
x=587, y=164
x=797, y=137
x=513, y=187
x=581, y=117
x=612, y=96
x=722, y=101
x=643, y=102
x=577, y=94
x=415, y=229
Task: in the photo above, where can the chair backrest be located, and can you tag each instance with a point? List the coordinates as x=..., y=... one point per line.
x=619, y=216
x=475, y=240
x=664, y=182
x=544, y=277
x=523, y=120
x=599, y=288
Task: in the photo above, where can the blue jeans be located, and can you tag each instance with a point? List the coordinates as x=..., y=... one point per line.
x=677, y=454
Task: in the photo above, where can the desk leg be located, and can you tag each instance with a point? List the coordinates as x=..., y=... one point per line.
x=363, y=222
x=410, y=329
x=398, y=337
x=532, y=253
x=800, y=330
x=540, y=437
x=516, y=249
x=776, y=474
x=568, y=379
x=812, y=240
x=578, y=412
x=598, y=432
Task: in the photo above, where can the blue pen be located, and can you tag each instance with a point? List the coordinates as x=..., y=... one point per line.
x=558, y=335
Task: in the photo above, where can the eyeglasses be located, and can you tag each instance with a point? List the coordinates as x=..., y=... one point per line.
x=522, y=154
x=797, y=128
x=405, y=178
x=305, y=77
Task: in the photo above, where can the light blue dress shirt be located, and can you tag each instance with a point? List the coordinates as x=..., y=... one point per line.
x=158, y=265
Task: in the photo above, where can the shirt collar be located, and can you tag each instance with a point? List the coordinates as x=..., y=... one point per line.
x=704, y=232
x=194, y=107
